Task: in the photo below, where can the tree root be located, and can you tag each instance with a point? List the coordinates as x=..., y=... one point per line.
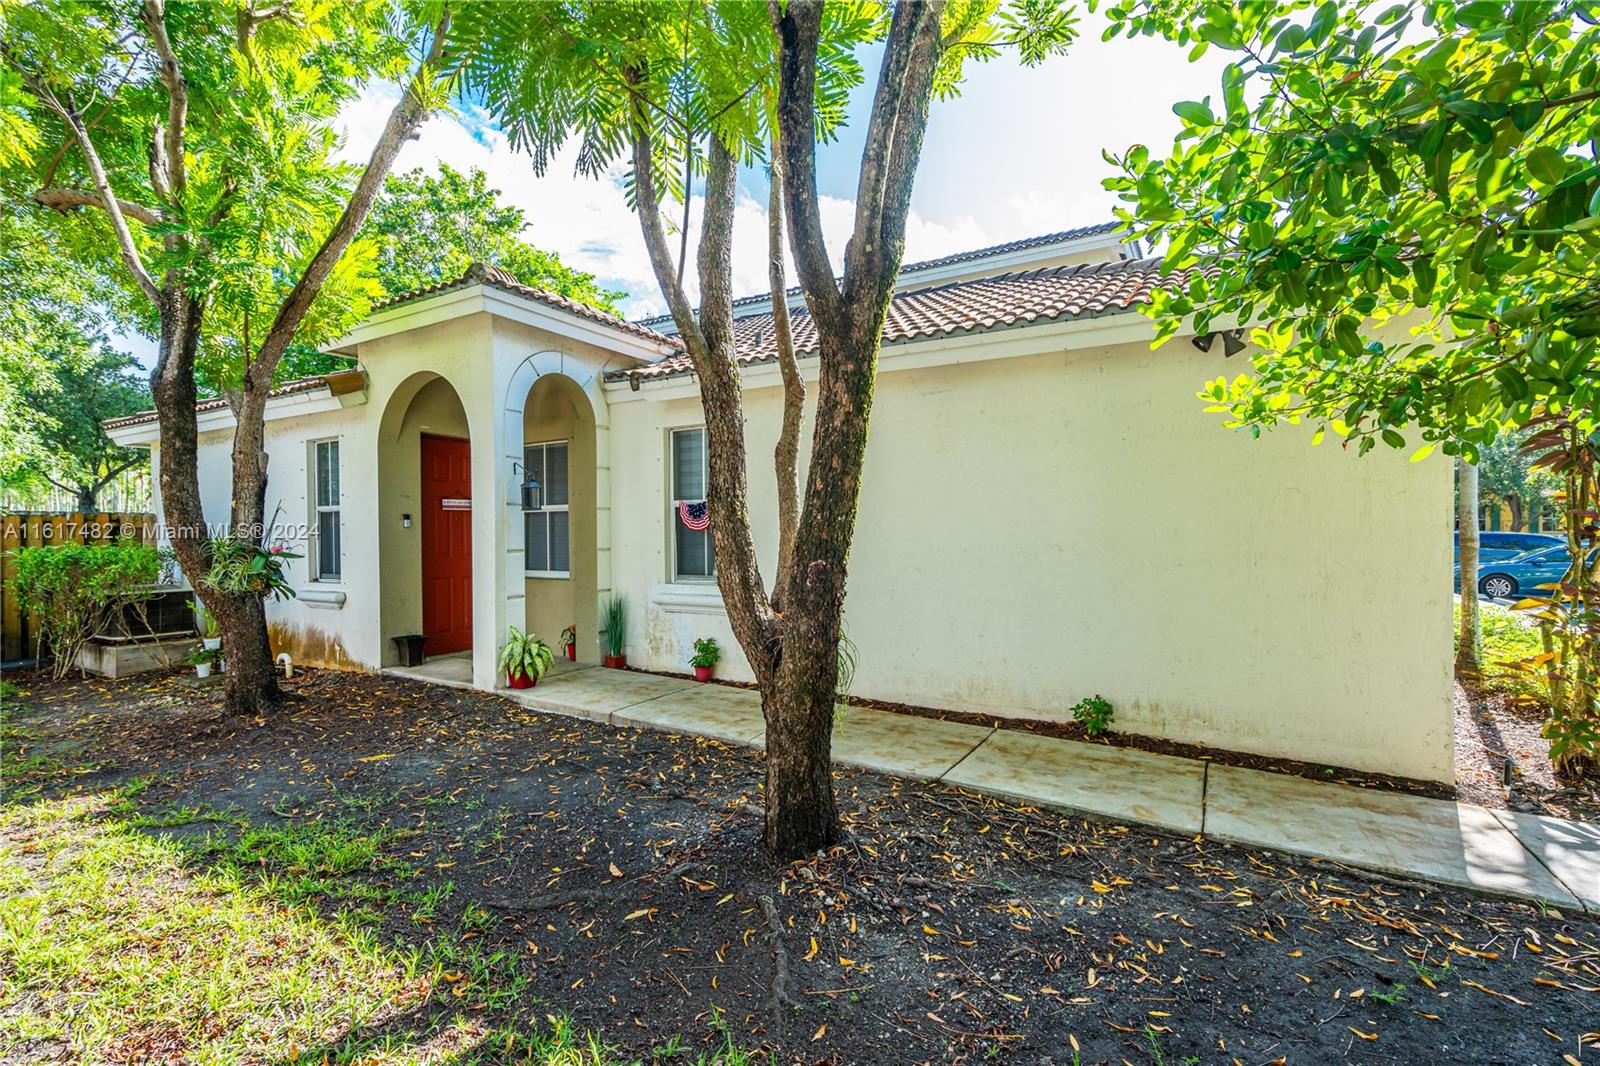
x=780, y=960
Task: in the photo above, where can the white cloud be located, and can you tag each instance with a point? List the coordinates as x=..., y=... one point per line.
x=588, y=222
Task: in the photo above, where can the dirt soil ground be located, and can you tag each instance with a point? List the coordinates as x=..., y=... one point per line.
x=622, y=872
x=1491, y=728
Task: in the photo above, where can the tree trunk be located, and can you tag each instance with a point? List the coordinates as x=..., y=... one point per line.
x=1514, y=505
x=250, y=679
x=786, y=455
x=87, y=498
x=1467, y=533
x=801, y=817
x=1578, y=637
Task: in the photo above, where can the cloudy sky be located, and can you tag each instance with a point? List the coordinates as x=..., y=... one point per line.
x=1017, y=154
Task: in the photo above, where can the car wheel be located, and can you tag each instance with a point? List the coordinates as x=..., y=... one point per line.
x=1498, y=586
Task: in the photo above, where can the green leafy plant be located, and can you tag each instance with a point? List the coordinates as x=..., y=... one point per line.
x=1094, y=713
x=75, y=589
x=845, y=676
x=525, y=655
x=204, y=622
x=1389, y=997
x=202, y=656
x=238, y=568
x=614, y=619
x=569, y=637
x=707, y=652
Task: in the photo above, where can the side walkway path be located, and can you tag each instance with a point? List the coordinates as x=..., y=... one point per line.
x=1525, y=856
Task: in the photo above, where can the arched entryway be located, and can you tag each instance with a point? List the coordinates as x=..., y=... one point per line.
x=556, y=427
x=425, y=517
x=558, y=540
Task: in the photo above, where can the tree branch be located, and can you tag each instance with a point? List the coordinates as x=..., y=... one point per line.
x=408, y=114
x=786, y=454
x=799, y=29
x=893, y=145
x=155, y=20
x=721, y=396
x=64, y=200
x=651, y=226
x=62, y=105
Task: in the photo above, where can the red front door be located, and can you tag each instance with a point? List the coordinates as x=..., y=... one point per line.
x=446, y=544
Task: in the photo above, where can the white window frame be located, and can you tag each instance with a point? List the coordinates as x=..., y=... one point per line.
x=672, y=508
x=317, y=509
x=565, y=508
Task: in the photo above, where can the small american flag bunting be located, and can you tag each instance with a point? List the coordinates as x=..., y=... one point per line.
x=694, y=516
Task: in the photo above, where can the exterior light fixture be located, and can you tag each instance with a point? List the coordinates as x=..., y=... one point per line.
x=528, y=488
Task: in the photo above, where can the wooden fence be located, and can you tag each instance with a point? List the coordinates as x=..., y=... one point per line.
x=35, y=529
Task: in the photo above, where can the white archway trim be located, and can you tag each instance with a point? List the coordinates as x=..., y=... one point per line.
x=587, y=377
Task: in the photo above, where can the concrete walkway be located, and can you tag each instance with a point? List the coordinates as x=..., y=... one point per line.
x=1504, y=853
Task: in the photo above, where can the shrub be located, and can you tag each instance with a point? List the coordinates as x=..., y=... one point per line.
x=1094, y=713
x=706, y=652
x=75, y=589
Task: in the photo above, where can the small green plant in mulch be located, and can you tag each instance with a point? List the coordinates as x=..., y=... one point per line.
x=1389, y=997
x=1094, y=714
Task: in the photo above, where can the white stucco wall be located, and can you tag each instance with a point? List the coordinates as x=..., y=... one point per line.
x=1042, y=528
x=1046, y=514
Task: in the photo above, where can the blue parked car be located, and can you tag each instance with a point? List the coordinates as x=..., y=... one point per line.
x=1524, y=574
x=1493, y=547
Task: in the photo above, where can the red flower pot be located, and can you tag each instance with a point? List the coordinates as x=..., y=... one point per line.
x=702, y=673
x=521, y=680
x=572, y=653
x=615, y=662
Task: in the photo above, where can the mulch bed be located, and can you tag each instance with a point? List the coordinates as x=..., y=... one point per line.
x=625, y=872
x=1492, y=728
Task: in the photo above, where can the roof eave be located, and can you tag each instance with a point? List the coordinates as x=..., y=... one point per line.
x=471, y=296
x=1111, y=325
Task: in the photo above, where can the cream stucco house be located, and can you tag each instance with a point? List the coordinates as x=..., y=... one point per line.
x=1047, y=510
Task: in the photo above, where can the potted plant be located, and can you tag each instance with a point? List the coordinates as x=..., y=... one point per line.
x=706, y=653
x=210, y=631
x=569, y=642
x=614, y=619
x=525, y=659
x=203, y=659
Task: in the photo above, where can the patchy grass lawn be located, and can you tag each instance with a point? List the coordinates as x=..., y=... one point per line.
x=393, y=873
x=1506, y=639
x=117, y=948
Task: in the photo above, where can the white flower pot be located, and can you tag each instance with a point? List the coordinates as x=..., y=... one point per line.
x=211, y=643
x=202, y=669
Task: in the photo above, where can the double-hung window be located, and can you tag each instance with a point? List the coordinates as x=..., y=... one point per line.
x=692, y=556
x=325, y=459
x=546, y=540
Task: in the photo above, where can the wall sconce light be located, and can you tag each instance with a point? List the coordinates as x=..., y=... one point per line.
x=405, y=521
x=1232, y=341
x=528, y=488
